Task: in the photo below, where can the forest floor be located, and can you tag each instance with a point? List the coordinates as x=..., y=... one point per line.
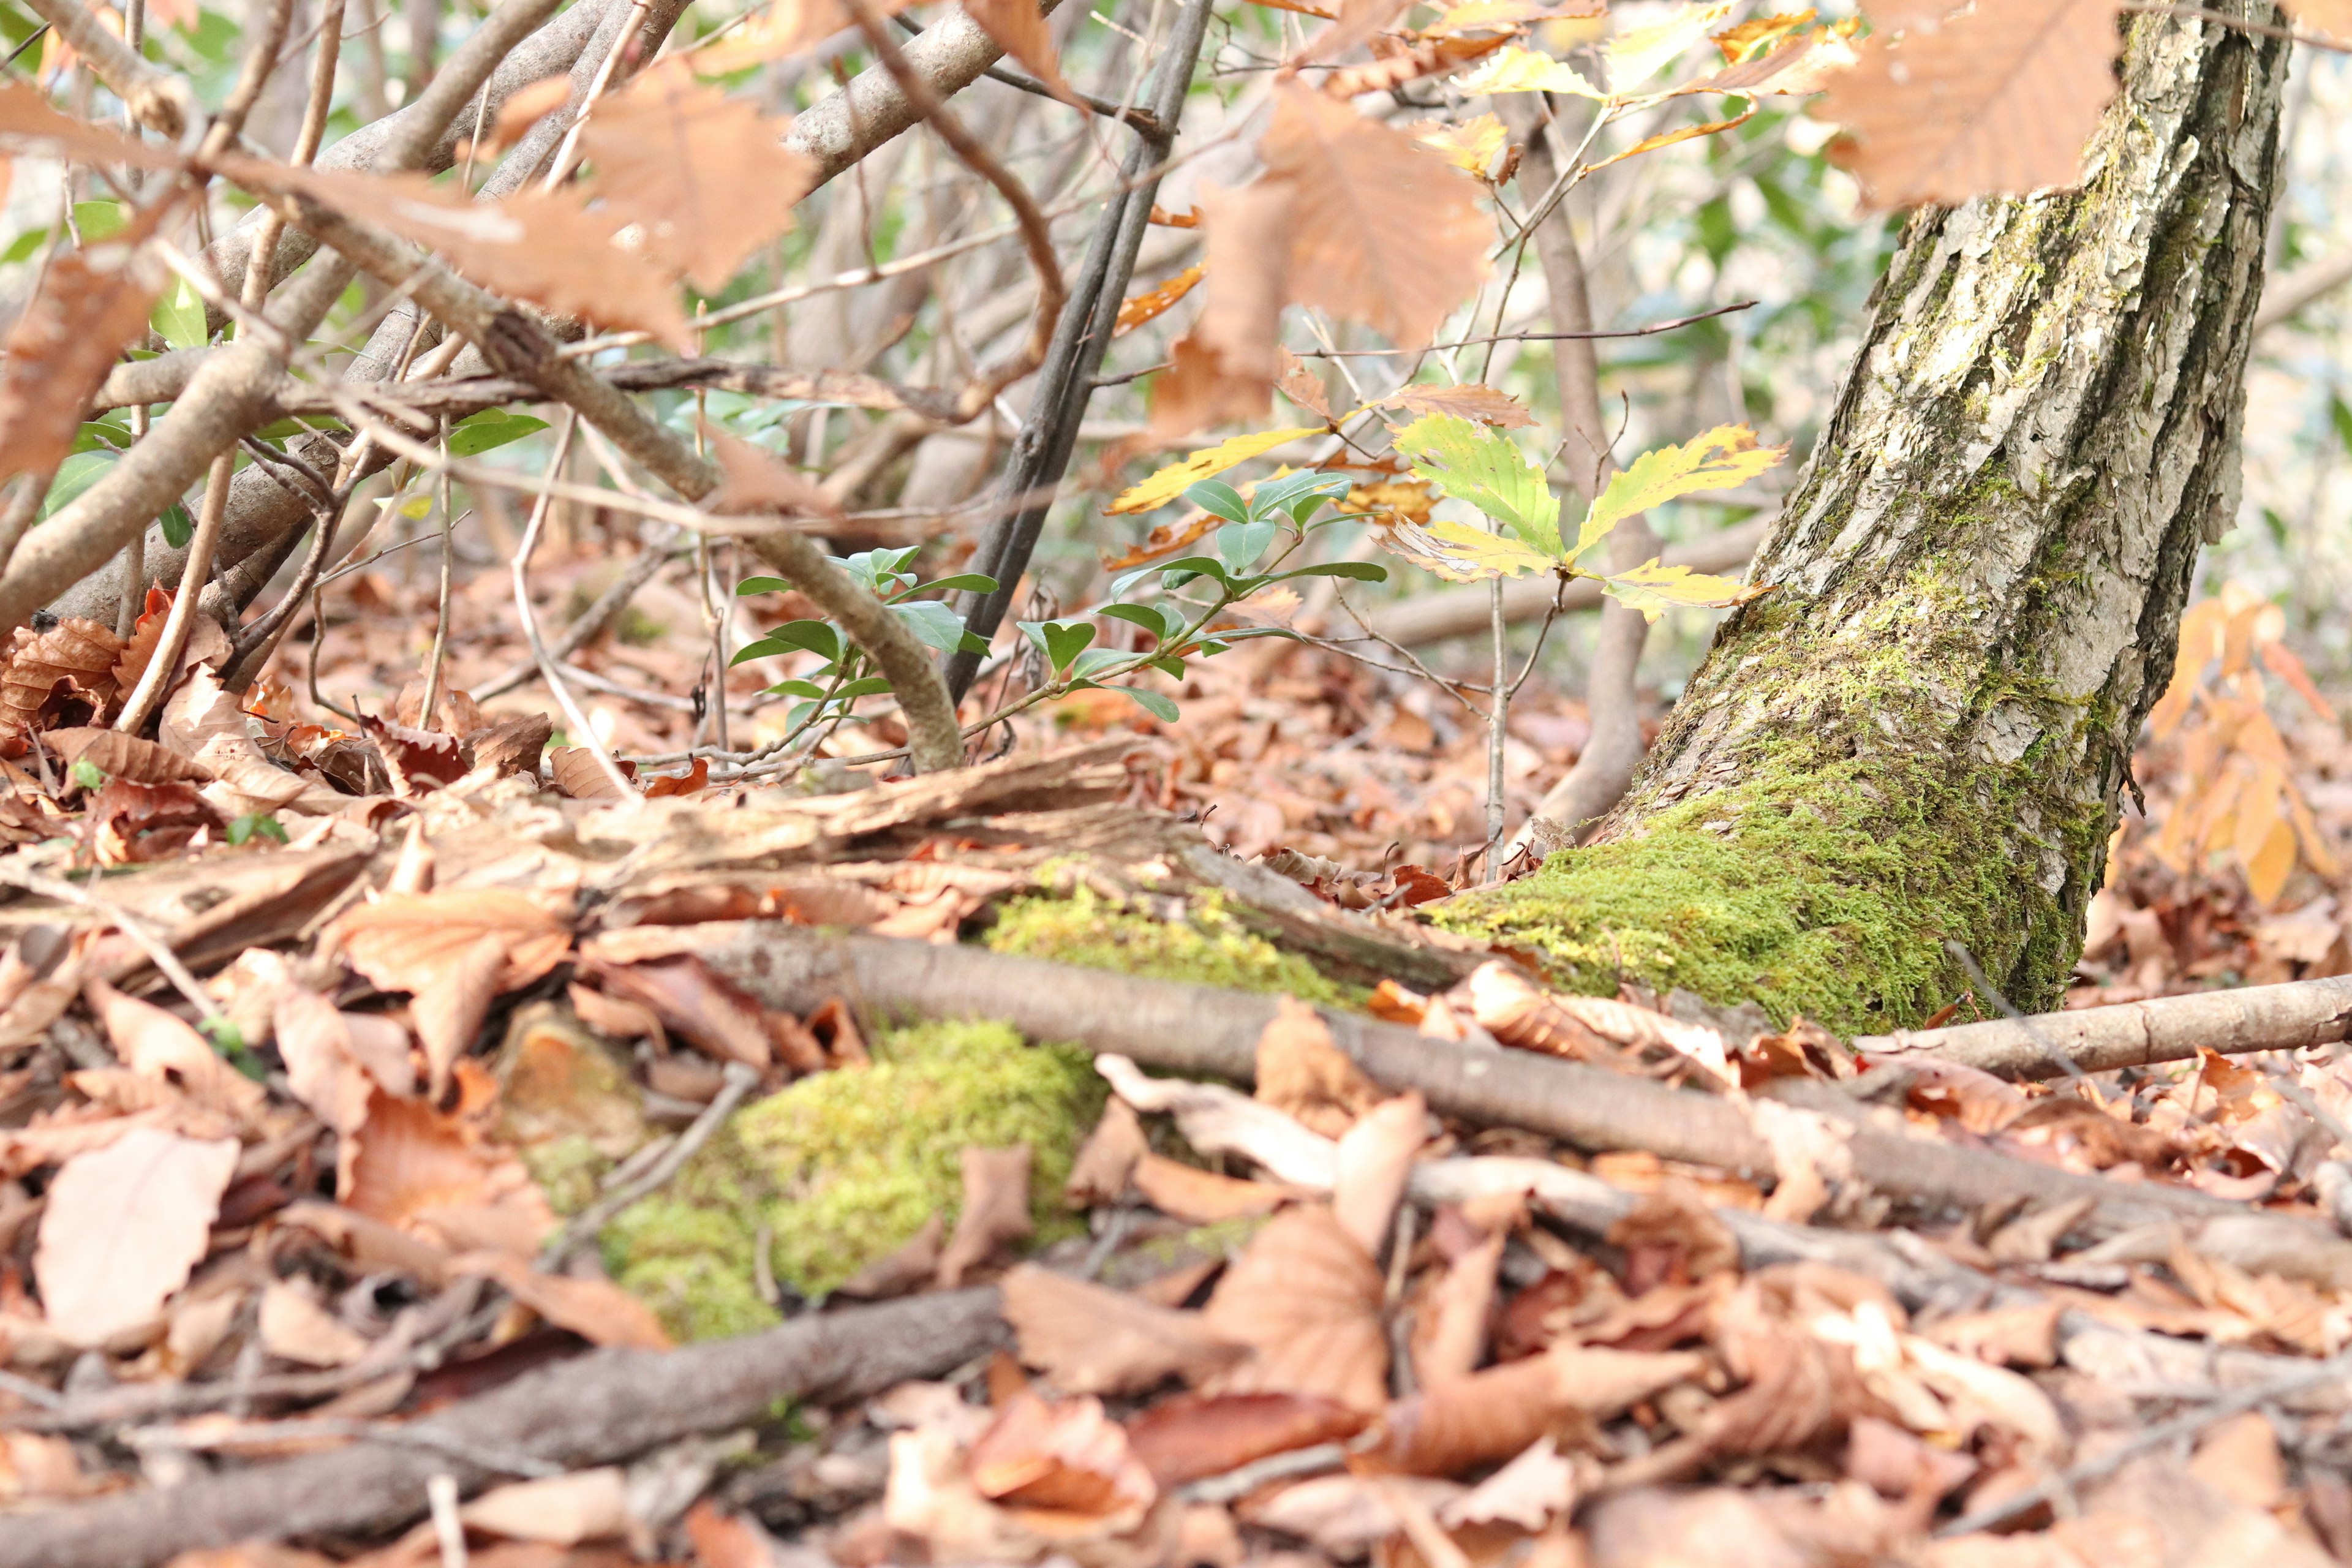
x=404, y=1158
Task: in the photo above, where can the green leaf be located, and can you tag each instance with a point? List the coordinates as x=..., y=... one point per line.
x=1354, y=571
x=179, y=316
x=1199, y=566
x=86, y=774
x=492, y=427
x=1653, y=588
x=1725, y=457
x=1095, y=660
x=1151, y=702
x=1219, y=500
x=1149, y=616
x=751, y=586
x=108, y=433
x=96, y=220
x=1169, y=666
x=810, y=636
x=864, y=686
x=1177, y=478
x=796, y=689
x=973, y=643
x=1296, y=495
x=74, y=475
x=1241, y=545
x=177, y=525
x=256, y=824
x=1059, y=641
x=932, y=620
x=964, y=583
x=1480, y=465
x=26, y=244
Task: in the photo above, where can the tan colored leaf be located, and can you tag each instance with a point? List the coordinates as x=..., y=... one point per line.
x=1192, y=1435
x=1376, y=1157
x=1468, y=402
x=524, y=107
x=995, y=1210
x=124, y=1226
x=708, y=177
x=692, y=1001
x=78, y=653
x=513, y=745
x=1090, y=1338
x=413, y=1167
x=563, y=1511
x=159, y=1046
x=1155, y=302
x=1490, y=1415
x=1099, y=1175
x=549, y=247
x=1066, y=1457
x=26, y=112
x=454, y=953
x=574, y=770
x=1529, y=1491
x=1020, y=26
x=294, y=1327
x=1303, y=1074
x=92, y=302
x=1202, y=389
x=1346, y=1515
x=1306, y=1297
x=322, y=1066
x=1998, y=100
x=1449, y=1329
x=757, y=480
x=1200, y=1197
x=122, y=756
x=597, y=1309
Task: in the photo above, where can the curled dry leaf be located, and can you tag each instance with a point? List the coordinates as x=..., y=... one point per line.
x=1476, y=1420
x=1099, y=1175
x=995, y=1210
x=1192, y=1436
x=122, y=756
x=1066, y=1457
x=597, y=1309
x=92, y=302
x=124, y=1226
x=1090, y=1338
x=1200, y=1197
x=453, y=951
x=1376, y=1158
x=431, y=1174
x=130, y=824
x=207, y=645
x=1517, y=1012
x=65, y=672
x=1219, y=1121
x=1301, y=1073
x=159, y=1046
x=1306, y=1297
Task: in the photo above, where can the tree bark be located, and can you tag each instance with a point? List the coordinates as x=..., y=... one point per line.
x=1917, y=738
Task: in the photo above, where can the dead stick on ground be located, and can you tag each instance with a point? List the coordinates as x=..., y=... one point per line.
x=597, y=1408
x=585, y=1225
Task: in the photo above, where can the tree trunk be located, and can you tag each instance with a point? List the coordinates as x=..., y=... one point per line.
x=1918, y=737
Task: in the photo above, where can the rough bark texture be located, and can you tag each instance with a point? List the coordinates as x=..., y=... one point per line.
x=1919, y=735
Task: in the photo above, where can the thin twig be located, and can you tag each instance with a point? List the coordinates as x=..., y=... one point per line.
x=547, y=671
x=584, y=1226
x=157, y=950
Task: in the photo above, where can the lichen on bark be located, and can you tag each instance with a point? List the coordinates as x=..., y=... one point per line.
x=1920, y=734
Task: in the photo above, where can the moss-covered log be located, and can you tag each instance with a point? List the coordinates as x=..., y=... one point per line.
x=1919, y=735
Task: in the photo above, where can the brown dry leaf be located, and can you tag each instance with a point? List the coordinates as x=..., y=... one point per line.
x=294, y=1327
x=1474, y=1420
x=1200, y=1197
x=1471, y=401
x=1303, y=1074
x=916, y=1263
x=1347, y=1515
x=1450, y=1328
x=705, y=176
x=424, y=1171
x=1670, y=1237
x=995, y=1210
x=512, y=745
x=2192, y=1520
x=1303, y=386
x=2023, y=1335
x=1998, y=100
x=757, y=480
x=76, y=653
x=156, y=1044
x=124, y=1226
x=1192, y=1435
x=597, y=1309
x=1152, y=304
x=135, y=824
x=322, y=1061
x=1090, y=1338
x=1532, y=1489
x=1066, y=1457
x=1517, y=1012
x=1802, y=1389
x=1204, y=387
x=524, y=107
x=206, y=644
x=549, y=247
x=453, y=951
x=586, y=1505
x=92, y=302
x=1107, y=1160
x=1375, y=1160
x=122, y=756
x=1021, y=27
x=692, y=1001
x=573, y=772
x=1306, y=1297
x=2240, y=1458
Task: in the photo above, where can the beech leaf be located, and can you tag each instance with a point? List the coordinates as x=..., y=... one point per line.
x=1470, y=401
x=1484, y=468
x=1306, y=1297
x=1090, y=1338
x=1174, y=479
x=1719, y=459
x=92, y=302
x=124, y=1226
x=1653, y=588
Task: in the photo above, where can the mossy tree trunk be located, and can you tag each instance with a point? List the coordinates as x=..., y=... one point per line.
x=1919, y=736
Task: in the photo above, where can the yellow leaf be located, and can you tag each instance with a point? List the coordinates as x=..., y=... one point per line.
x=1138, y=309
x=1640, y=53
x=1207, y=463
x=1668, y=137
x=1653, y=588
x=1517, y=69
x=1470, y=146
x=1725, y=457
x=1407, y=500
x=1460, y=553
x=1502, y=15
x=1757, y=34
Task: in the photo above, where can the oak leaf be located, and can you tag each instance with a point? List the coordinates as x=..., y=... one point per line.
x=707, y=176
x=124, y=1226
x=1306, y=1297
x=1998, y=100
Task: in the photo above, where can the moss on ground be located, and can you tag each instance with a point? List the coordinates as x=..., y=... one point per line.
x=841, y=1168
x=1209, y=947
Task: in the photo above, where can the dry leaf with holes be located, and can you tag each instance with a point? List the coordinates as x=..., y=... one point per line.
x=432, y=1174
x=1307, y=1297
x=1090, y=1338
x=1998, y=100
x=706, y=177
x=92, y=301
x=995, y=1210
x=1301, y=1073
x=453, y=951
x=124, y=1226
x=158, y=1045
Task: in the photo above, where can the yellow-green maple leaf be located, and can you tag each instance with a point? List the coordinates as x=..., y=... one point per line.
x=1207, y=463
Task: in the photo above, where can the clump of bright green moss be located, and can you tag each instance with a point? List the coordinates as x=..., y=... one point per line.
x=1209, y=947
x=841, y=1168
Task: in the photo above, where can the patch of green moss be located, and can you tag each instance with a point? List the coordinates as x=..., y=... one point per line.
x=567, y=1170
x=841, y=1168
x=1209, y=947
x=1823, y=870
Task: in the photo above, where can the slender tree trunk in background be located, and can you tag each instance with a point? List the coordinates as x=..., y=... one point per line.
x=1919, y=736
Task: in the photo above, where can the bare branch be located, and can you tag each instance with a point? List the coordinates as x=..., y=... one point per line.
x=159, y=100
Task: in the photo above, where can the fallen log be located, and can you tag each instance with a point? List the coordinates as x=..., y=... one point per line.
x=599, y=1407
x=2136, y=1034
x=1204, y=1032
